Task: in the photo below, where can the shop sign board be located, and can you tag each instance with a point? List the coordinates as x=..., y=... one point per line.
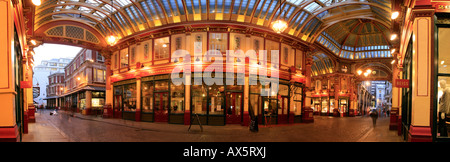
x=26, y=84
x=401, y=83
x=442, y=7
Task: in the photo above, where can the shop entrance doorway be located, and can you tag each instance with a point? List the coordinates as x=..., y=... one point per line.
x=234, y=108
x=117, y=112
x=161, y=107
x=283, y=110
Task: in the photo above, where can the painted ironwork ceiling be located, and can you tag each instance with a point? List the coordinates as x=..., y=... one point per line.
x=357, y=39
x=322, y=64
x=307, y=19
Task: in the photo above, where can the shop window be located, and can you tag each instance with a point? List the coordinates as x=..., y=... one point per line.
x=129, y=97
x=162, y=50
x=177, y=98
x=442, y=110
x=216, y=96
x=98, y=102
x=198, y=99
x=147, y=97
x=297, y=100
x=235, y=84
x=162, y=85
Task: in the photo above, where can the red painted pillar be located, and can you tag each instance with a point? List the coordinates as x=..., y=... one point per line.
x=307, y=111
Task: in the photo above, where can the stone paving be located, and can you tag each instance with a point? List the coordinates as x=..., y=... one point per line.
x=63, y=127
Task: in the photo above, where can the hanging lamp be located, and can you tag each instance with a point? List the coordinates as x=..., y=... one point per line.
x=111, y=39
x=279, y=25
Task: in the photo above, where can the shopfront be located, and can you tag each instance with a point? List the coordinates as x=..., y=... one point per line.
x=325, y=106
x=284, y=102
x=441, y=115
x=406, y=92
x=125, y=99
x=217, y=103
x=332, y=106
x=297, y=91
x=317, y=104
x=343, y=106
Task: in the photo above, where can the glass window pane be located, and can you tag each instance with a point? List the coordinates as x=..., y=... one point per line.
x=176, y=99
x=129, y=97
x=147, y=96
x=444, y=57
x=443, y=106
x=216, y=94
x=162, y=48
x=162, y=85
x=198, y=99
x=218, y=41
x=124, y=58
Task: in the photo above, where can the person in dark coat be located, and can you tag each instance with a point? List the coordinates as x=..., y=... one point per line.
x=374, y=116
x=253, y=120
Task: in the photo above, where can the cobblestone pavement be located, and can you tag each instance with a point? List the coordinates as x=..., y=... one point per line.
x=82, y=128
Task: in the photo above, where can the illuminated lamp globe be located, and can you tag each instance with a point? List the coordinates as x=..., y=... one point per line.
x=359, y=72
x=111, y=40
x=279, y=26
x=36, y=2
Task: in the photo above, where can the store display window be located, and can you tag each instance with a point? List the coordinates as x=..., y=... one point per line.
x=147, y=96
x=199, y=99
x=129, y=97
x=177, y=98
x=298, y=99
x=442, y=102
x=324, y=104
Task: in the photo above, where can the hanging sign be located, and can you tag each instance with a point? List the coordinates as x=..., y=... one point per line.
x=26, y=84
x=401, y=83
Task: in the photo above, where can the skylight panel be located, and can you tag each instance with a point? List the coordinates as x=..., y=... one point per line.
x=99, y=14
x=93, y=2
x=122, y=2
x=109, y=8
x=296, y=2
x=84, y=9
x=313, y=7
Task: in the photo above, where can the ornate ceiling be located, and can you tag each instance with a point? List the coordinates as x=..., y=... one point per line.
x=351, y=23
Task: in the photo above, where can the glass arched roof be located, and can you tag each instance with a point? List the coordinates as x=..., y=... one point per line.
x=307, y=19
x=322, y=64
x=357, y=39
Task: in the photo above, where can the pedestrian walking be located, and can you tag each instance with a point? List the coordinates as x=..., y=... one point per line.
x=253, y=126
x=374, y=116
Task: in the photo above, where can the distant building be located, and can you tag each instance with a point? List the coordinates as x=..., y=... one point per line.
x=41, y=73
x=55, y=90
x=85, y=79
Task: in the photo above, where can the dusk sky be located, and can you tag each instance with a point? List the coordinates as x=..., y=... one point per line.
x=48, y=51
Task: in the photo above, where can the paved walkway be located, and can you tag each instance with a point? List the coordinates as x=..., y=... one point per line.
x=62, y=127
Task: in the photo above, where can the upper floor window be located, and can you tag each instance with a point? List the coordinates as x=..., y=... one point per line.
x=162, y=48
x=218, y=41
x=124, y=58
